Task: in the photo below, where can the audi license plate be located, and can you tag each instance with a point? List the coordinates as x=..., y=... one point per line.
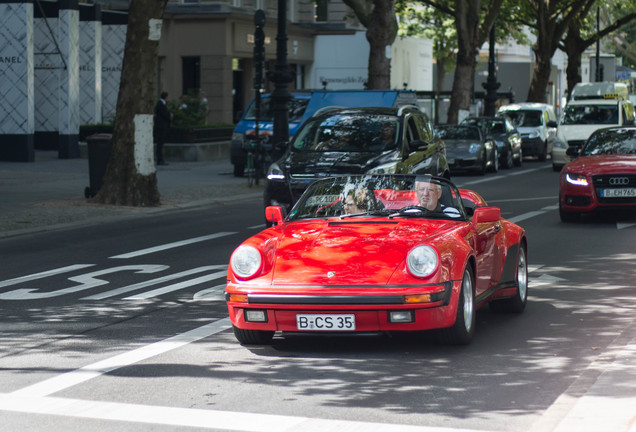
x=618, y=193
x=326, y=322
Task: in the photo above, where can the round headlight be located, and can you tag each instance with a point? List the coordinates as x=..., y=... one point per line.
x=422, y=261
x=246, y=261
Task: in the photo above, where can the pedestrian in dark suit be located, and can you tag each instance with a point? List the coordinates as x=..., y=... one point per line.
x=162, y=124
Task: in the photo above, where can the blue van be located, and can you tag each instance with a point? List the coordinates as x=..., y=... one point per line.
x=245, y=126
x=304, y=105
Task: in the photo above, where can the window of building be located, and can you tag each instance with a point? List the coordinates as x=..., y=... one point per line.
x=320, y=10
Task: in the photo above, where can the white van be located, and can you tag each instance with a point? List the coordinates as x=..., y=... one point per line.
x=593, y=106
x=537, y=125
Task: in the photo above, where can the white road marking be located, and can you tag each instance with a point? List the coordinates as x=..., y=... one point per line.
x=44, y=274
x=171, y=245
x=199, y=418
x=215, y=293
x=145, y=284
x=524, y=199
x=525, y=216
x=177, y=286
x=69, y=379
x=498, y=177
x=624, y=225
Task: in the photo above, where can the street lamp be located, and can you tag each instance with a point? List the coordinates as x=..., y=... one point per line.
x=281, y=77
x=491, y=85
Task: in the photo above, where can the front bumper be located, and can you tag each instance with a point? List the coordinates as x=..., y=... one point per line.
x=531, y=146
x=372, y=312
x=588, y=199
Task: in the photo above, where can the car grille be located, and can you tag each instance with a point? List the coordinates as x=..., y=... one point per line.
x=614, y=181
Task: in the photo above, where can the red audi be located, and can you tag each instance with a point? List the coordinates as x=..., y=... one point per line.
x=603, y=175
x=377, y=253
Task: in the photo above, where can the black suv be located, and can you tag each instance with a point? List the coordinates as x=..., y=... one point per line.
x=376, y=140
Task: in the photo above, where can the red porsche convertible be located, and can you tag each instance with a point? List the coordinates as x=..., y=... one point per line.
x=377, y=253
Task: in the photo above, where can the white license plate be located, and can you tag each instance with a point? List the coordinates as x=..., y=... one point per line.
x=618, y=193
x=326, y=322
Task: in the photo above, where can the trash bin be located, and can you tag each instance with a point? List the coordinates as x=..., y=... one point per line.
x=98, y=153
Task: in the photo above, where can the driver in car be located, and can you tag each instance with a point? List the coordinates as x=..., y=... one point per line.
x=428, y=195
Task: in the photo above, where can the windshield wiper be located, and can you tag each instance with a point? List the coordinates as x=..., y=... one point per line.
x=366, y=213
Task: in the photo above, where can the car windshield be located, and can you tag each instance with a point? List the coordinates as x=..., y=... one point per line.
x=390, y=196
x=590, y=114
x=610, y=142
x=524, y=118
x=343, y=132
x=458, y=132
x=296, y=110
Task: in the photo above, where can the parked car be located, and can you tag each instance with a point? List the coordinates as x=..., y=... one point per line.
x=603, y=175
x=505, y=135
x=468, y=149
x=374, y=140
x=393, y=267
x=537, y=124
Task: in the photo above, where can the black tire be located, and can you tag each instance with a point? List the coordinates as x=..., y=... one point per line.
x=495, y=160
x=461, y=333
x=508, y=161
x=482, y=169
x=516, y=304
x=253, y=337
x=519, y=160
x=568, y=217
x=239, y=170
x=543, y=154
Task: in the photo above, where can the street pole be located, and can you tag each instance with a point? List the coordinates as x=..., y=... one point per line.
x=259, y=61
x=491, y=85
x=281, y=77
x=598, y=47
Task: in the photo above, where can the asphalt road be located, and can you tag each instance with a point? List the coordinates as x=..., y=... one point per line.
x=122, y=326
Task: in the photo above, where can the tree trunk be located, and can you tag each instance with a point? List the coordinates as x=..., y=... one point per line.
x=382, y=27
x=130, y=177
x=381, y=33
x=574, y=47
x=540, y=77
x=467, y=24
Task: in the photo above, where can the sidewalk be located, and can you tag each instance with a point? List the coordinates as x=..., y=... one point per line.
x=49, y=193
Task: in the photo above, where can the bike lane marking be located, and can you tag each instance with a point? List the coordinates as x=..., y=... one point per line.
x=44, y=274
x=159, y=280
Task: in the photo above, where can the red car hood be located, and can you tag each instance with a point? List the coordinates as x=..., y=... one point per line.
x=603, y=164
x=353, y=251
